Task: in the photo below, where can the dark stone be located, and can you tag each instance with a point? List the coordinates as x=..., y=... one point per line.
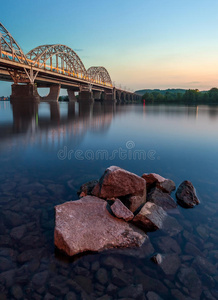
x=29, y=255
x=208, y=296
x=167, y=244
x=186, y=195
x=81, y=271
x=112, y=262
x=12, y=219
x=105, y=297
x=70, y=296
x=153, y=296
x=112, y=289
x=150, y=217
x=192, y=249
x=120, y=278
x=101, y=276
x=169, y=263
x=150, y=283
x=48, y=296
x=203, y=232
x=40, y=279
x=179, y=296
x=171, y=226
x=95, y=266
x=146, y=250
x=85, y=283
x=58, y=285
x=17, y=292
x=100, y=288
x=189, y=278
x=204, y=266
x=5, y=264
x=162, y=199
x=134, y=291
x=18, y=232
x=86, y=188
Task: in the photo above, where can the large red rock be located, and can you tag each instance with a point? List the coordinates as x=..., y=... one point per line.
x=86, y=225
x=155, y=180
x=117, y=182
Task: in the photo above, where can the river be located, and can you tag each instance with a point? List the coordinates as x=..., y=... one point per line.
x=47, y=151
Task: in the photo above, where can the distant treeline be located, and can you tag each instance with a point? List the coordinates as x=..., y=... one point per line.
x=183, y=96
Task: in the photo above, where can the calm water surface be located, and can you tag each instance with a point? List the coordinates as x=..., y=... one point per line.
x=48, y=151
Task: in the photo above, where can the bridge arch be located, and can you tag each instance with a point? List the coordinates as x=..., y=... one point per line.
x=9, y=48
x=99, y=75
x=58, y=58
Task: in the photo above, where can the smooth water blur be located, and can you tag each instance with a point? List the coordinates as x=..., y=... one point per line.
x=48, y=151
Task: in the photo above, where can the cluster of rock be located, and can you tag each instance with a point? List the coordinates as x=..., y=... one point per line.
x=118, y=211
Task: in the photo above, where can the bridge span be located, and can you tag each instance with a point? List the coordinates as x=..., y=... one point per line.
x=54, y=66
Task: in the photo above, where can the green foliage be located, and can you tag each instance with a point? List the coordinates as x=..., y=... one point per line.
x=63, y=99
x=181, y=96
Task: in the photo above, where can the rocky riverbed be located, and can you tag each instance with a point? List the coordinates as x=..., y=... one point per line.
x=31, y=269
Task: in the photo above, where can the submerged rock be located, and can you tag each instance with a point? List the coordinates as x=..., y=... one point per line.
x=186, y=195
x=189, y=279
x=169, y=263
x=121, y=211
x=117, y=182
x=86, y=225
x=150, y=217
x=162, y=199
x=155, y=180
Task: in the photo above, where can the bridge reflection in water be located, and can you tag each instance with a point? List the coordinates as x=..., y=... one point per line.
x=54, y=124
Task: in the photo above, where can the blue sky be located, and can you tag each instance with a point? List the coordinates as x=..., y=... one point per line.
x=142, y=43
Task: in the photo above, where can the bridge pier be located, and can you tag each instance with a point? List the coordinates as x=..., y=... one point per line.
x=71, y=95
x=24, y=93
x=85, y=96
x=53, y=94
x=97, y=95
x=108, y=97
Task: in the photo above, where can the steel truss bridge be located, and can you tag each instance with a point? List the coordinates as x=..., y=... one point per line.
x=55, y=66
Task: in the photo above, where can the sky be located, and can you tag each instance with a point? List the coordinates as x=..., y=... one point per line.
x=142, y=43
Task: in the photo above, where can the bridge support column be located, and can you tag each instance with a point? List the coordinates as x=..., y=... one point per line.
x=108, y=97
x=85, y=96
x=53, y=94
x=24, y=93
x=97, y=95
x=71, y=95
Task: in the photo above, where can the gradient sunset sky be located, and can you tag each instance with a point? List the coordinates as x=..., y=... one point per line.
x=142, y=43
